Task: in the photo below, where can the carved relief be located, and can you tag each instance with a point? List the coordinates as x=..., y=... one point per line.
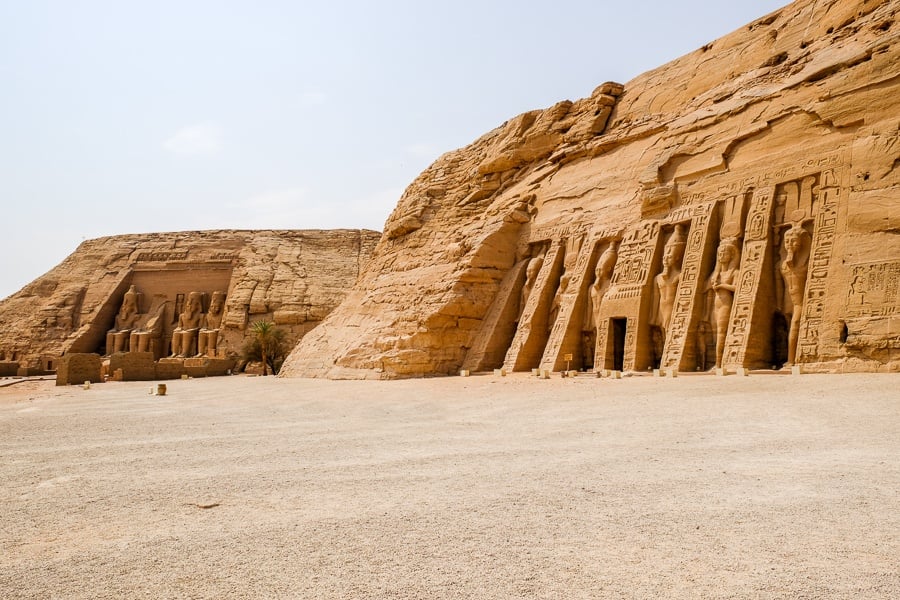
x=209, y=334
x=872, y=290
x=665, y=288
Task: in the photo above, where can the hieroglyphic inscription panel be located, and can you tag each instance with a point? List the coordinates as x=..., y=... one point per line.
x=873, y=290
x=635, y=258
x=630, y=344
x=690, y=288
x=819, y=265
x=756, y=242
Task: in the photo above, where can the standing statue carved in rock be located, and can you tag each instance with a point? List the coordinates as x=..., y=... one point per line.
x=185, y=335
x=720, y=294
x=794, y=270
x=531, y=273
x=665, y=285
x=557, y=299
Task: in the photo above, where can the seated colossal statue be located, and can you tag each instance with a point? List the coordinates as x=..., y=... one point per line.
x=184, y=337
x=117, y=338
x=209, y=335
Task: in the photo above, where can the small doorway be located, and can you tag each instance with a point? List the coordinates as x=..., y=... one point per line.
x=618, y=330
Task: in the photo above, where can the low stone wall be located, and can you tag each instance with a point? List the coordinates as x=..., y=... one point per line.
x=136, y=366
x=8, y=369
x=77, y=368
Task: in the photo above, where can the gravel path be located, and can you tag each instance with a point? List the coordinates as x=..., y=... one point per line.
x=766, y=486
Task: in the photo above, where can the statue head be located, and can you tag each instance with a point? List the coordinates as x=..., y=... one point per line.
x=607, y=262
x=727, y=254
x=194, y=303
x=795, y=238
x=674, y=249
x=217, y=303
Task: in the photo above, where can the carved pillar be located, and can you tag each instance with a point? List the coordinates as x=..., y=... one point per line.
x=819, y=266
x=498, y=327
x=746, y=343
x=565, y=336
x=528, y=344
x=680, y=351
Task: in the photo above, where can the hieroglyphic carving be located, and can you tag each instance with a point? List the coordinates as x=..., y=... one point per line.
x=160, y=256
x=690, y=287
x=819, y=264
x=755, y=244
x=873, y=289
x=630, y=344
x=635, y=258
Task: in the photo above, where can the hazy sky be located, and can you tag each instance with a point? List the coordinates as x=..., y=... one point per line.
x=126, y=116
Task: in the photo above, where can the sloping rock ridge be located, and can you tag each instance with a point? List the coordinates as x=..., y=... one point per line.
x=132, y=290
x=738, y=207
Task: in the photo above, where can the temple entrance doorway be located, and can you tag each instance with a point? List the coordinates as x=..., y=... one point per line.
x=618, y=331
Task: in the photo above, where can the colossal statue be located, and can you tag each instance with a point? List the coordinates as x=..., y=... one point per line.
x=720, y=297
x=531, y=273
x=602, y=277
x=665, y=284
x=185, y=335
x=794, y=269
x=117, y=338
x=209, y=334
x=558, y=298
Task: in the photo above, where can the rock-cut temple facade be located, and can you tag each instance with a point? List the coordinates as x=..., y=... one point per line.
x=736, y=208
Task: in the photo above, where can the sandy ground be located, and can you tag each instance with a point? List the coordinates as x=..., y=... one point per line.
x=481, y=487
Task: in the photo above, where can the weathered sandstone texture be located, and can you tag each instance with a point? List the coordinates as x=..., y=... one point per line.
x=136, y=293
x=737, y=207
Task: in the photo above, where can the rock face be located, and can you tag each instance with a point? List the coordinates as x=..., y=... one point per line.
x=738, y=207
x=131, y=293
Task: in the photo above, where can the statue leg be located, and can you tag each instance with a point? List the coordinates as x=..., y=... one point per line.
x=202, y=343
x=212, y=343
x=176, y=343
x=792, y=337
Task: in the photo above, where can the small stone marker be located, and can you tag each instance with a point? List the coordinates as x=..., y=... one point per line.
x=657, y=373
x=464, y=373
x=616, y=374
x=536, y=372
x=500, y=372
x=161, y=389
x=720, y=372
x=545, y=374
x=795, y=370
x=743, y=372
x=671, y=373
x=87, y=385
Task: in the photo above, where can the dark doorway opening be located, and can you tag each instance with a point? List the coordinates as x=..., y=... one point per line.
x=779, y=340
x=619, y=327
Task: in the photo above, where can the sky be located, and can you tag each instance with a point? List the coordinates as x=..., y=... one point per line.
x=130, y=117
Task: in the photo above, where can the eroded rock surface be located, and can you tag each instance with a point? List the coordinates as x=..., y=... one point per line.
x=777, y=144
x=132, y=292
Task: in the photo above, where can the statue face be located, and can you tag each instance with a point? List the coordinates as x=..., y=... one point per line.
x=669, y=257
x=215, y=307
x=193, y=304
x=792, y=241
x=725, y=254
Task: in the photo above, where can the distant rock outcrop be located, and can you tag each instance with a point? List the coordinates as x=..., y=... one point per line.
x=739, y=206
x=130, y=292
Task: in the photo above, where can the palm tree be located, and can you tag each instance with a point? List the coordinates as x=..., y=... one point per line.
x=264, y=332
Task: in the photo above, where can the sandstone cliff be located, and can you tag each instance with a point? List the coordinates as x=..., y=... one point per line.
x=779, y=141
x=293, y=277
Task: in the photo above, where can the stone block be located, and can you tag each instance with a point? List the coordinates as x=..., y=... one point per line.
x=76, y=368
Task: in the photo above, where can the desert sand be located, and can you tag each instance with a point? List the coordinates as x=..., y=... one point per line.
x=768, y=486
